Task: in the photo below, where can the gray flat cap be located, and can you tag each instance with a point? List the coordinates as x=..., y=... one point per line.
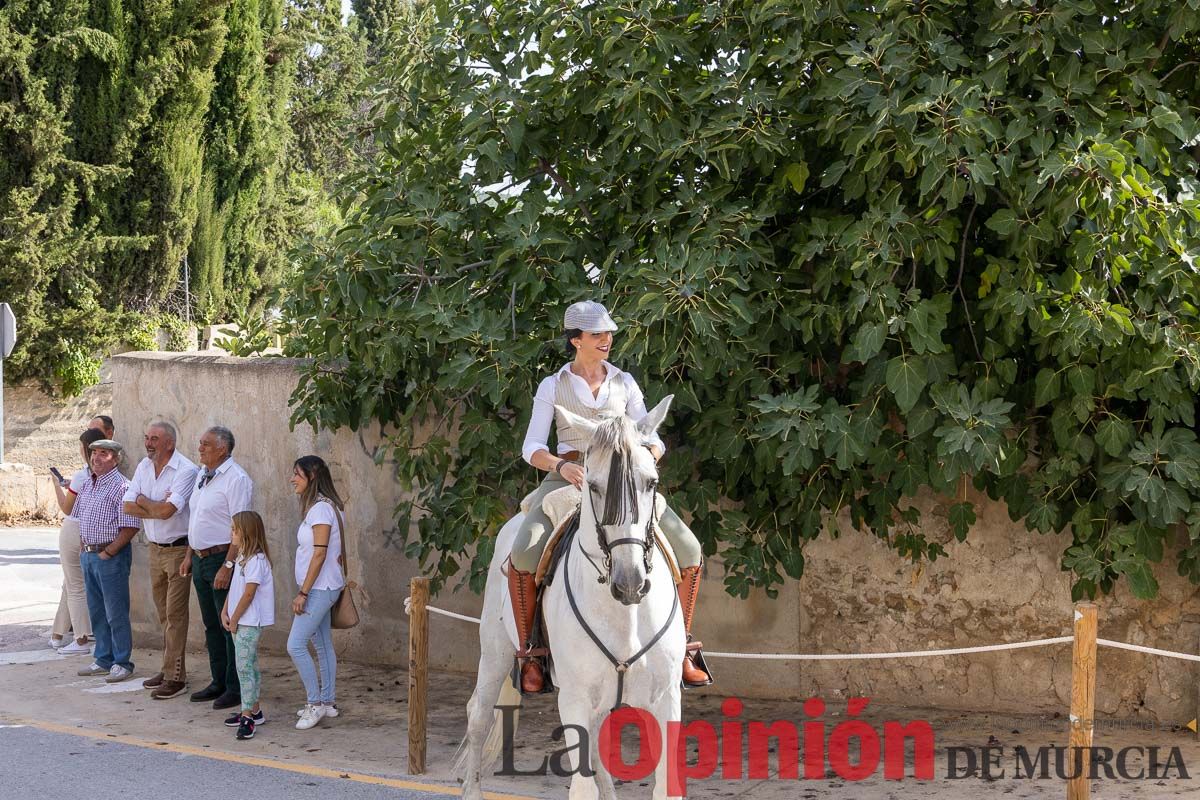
x=107, y=444
x=588, y=316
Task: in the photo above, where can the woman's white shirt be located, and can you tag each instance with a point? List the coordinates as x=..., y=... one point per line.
x=537, y=436
x=261, y=611
x=78, y=480
x=330, y=576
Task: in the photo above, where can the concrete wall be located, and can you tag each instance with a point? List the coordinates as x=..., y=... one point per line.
x=1002, y=585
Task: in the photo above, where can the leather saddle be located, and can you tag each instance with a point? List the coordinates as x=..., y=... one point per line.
x=562, y=507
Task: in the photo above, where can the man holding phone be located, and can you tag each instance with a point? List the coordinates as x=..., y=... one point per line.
x=105, y=532
x=73, y=612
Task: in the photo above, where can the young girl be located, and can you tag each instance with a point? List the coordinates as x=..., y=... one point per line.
x=249, y=607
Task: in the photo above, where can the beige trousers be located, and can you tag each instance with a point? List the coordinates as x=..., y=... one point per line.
x=172, y=594
x=72, y=605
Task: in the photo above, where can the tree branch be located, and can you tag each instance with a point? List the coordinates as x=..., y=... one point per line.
x=962, y=263
x=548, y=168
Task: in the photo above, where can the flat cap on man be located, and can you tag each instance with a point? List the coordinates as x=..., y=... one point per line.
x=588, y=316
x=107, y=444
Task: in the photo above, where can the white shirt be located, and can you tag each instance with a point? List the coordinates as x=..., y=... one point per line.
x=178, y=477
x=330, y=576
x=537, y=436
x=213, y=506
x=261, y=611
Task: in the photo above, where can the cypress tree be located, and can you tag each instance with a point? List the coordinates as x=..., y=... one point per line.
x=245, y=135
x=143, y=110
x=47, y=248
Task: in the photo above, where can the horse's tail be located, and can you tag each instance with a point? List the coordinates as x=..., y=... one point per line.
x=494, y=743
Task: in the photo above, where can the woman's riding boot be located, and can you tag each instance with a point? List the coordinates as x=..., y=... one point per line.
x=522, y=590
x=694, y=670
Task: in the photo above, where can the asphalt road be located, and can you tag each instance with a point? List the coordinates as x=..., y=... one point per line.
x=36, y=761
x=52, y=760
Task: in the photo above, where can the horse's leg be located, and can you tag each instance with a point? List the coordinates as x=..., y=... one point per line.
x=666, y=711
x=604, y=779
x=480, y=719
x=495, y=664
x=576, y=716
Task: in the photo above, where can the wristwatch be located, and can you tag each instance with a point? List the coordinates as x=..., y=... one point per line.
x=228, y=565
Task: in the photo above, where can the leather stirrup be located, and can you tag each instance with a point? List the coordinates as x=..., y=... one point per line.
x=695, y=671
x=522, y=591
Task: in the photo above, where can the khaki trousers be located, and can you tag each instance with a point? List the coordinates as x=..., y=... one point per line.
x=172, y=594
x=72, y=604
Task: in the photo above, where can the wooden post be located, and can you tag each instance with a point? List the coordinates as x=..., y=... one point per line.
x=418, y=673
x=1083, y=700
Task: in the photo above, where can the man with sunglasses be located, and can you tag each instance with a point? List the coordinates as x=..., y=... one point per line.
x=222, y=489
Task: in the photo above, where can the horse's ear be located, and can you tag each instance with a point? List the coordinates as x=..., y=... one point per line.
x=577, y=422
x=649, y=424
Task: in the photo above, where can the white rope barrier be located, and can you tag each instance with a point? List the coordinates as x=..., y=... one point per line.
x=436, y=610
x=954, y=651
x=1154, y=651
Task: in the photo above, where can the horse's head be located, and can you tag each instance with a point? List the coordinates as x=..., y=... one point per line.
x=619, y=497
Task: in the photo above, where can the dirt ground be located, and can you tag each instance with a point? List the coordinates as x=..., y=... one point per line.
x=370, y=736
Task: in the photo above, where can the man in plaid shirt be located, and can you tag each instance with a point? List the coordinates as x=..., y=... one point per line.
x=105, y=532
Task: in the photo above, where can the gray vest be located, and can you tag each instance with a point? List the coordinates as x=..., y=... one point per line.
x=564, y=395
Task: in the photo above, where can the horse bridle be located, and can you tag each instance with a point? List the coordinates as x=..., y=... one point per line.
x=606, y=547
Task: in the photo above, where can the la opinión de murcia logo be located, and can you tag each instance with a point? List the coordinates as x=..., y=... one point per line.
x=737, y=749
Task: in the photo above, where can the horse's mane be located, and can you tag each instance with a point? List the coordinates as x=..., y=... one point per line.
x=619, y=437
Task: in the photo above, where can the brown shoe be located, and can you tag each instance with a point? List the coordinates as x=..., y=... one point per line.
x=169, y=689
x=153, y=682
x=689, y=588
x=522, y=589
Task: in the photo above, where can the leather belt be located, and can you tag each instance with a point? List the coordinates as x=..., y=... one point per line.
x=176, y=543
x=93, y=548
x=211, y=551
x=572, y=456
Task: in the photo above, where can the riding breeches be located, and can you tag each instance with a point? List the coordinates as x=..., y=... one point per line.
x=536, y=529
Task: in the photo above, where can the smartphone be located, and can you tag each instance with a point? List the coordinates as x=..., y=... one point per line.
x=57, y=476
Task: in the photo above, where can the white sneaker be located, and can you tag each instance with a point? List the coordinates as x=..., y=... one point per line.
x=310, y=715
x=94, y=669
x=330, y=711
x=118, y=674
x=76, y=649
x=56, y=642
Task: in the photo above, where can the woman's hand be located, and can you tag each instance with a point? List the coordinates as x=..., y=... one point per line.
x=298, y=604
x=226, y=623
x=572, y=473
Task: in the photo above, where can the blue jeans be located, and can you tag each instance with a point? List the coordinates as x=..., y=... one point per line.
x=313, y=625
x=107, y=586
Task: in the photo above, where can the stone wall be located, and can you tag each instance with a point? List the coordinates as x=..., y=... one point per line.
x=1001, y=585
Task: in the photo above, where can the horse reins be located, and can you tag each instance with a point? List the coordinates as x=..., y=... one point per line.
x=620, y=666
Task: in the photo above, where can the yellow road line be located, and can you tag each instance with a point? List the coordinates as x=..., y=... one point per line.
x=303, y=769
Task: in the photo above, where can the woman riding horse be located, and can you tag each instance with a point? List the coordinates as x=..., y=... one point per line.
x=594, y=389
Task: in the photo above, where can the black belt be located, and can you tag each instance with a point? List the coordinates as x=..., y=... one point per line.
x=94, y=548
x=176, y=543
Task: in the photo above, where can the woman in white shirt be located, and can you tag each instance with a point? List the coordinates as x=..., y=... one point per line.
x=593, y=388
x=72, y=604
x=320, y=581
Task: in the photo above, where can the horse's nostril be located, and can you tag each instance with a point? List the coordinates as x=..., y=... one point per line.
x=645, y=588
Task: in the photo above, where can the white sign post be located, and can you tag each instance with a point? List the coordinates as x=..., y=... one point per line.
x=8, y=339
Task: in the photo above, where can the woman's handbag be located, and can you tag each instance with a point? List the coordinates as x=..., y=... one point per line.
x=344, y=614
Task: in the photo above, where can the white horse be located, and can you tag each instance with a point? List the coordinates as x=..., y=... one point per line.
x=605, y=573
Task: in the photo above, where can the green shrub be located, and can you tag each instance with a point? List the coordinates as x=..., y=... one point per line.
x=870, y=250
